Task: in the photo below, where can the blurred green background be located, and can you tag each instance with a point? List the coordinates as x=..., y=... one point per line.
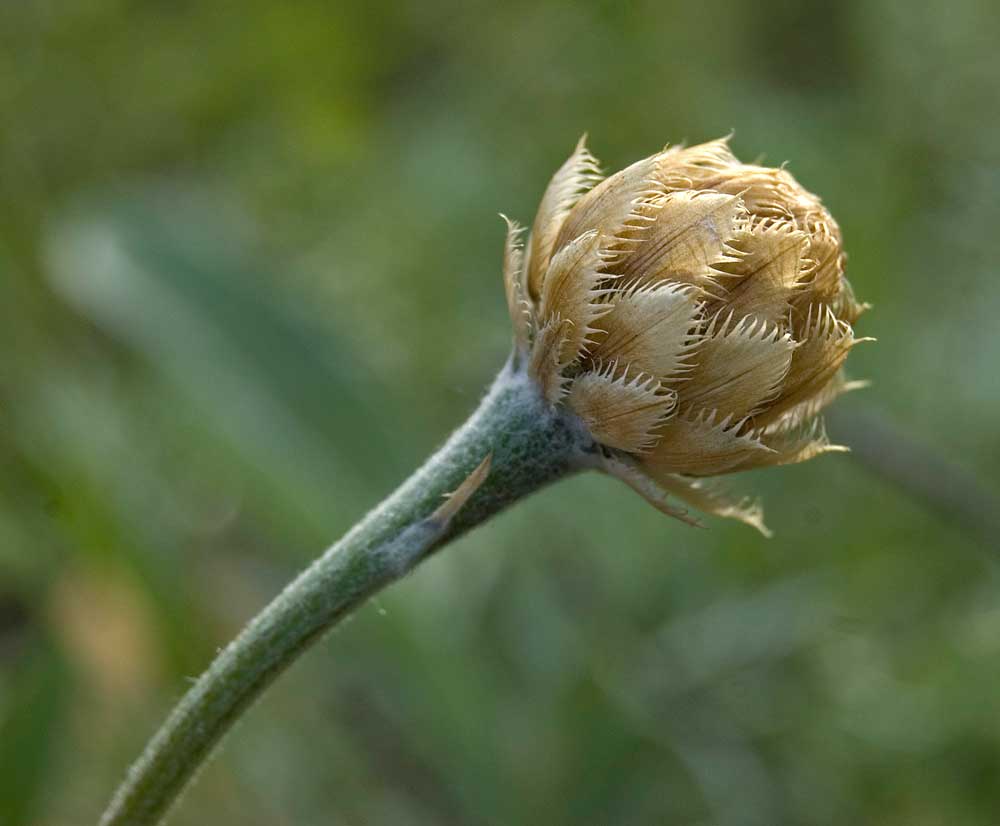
x=249, y=259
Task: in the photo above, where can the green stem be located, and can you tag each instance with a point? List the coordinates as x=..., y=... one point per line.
x=531, y=445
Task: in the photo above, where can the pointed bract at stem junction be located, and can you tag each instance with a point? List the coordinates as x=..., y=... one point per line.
x=692, y=311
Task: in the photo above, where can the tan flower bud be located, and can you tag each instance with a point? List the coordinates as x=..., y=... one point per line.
x=691, y=310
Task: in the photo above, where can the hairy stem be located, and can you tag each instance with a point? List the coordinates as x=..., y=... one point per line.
x=531, y=445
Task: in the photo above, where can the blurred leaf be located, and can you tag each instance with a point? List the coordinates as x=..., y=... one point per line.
x=273, y=391
x=33, y=699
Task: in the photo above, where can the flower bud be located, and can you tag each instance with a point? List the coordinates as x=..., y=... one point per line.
x=691, y=311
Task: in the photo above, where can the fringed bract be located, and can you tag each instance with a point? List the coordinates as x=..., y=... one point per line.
x=692, y=312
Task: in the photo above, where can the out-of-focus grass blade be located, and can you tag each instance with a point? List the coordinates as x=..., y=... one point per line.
x=32, y=702
x=920, y=471
x=268, y=386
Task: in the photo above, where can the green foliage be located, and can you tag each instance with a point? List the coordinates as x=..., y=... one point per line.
x=250, y=267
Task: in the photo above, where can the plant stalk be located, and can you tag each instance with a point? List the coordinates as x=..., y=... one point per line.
x=531, y=445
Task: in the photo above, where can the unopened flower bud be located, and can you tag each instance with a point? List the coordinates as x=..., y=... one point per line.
x=691, y=310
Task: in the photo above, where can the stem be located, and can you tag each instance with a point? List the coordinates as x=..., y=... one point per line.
x=531, y=444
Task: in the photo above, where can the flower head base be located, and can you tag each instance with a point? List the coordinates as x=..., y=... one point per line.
x=691, y=310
